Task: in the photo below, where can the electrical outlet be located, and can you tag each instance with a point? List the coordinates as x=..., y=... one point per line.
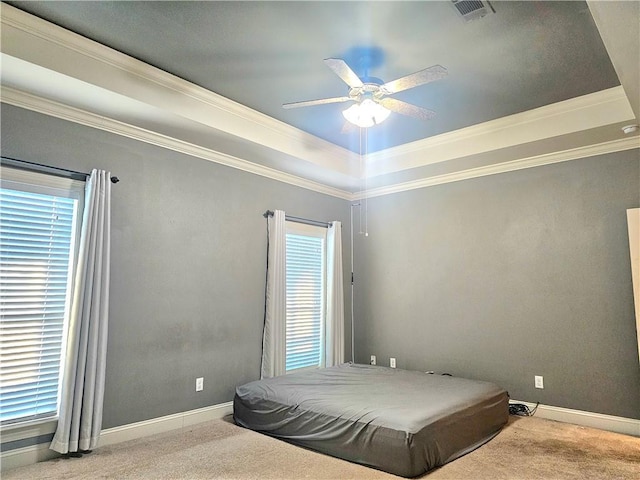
x=392, y=362
x=538, y=381
x=373, y=360
x=199, y=384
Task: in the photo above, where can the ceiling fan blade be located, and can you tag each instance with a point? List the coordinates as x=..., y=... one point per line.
x=321, y=101
x=427, y=75
x=408, y=109
x=343, y=70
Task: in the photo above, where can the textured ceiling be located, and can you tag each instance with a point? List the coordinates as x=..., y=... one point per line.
x=263, y=54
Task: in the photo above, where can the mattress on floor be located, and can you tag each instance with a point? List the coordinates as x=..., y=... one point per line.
x=403, y=422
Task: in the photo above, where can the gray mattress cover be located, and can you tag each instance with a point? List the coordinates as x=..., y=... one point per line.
x=400, y=421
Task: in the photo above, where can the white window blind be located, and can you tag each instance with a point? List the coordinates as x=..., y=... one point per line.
x=37, y=243
x=305, y=282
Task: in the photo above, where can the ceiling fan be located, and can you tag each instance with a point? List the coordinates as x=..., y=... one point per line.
x=371, y=96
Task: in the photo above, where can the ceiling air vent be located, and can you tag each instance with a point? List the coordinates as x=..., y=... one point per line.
x=472, y=9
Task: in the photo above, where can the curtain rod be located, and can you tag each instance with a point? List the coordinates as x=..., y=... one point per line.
x=306, y=221
x=59, y=172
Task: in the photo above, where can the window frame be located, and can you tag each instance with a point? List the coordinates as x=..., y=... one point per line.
x=14, y=178
x=302, y=229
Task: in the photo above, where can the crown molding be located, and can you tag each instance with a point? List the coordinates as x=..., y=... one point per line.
x=20, y=99
x=518, y=120
x=581, y=113
x=96, y=64
x=27, y=37
x=510, y=166
x=60, y=52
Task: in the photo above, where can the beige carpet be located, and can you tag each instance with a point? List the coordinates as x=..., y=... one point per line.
x=528, y=448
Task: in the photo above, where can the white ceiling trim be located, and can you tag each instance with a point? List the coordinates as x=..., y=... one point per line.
x=570, y=116
x=510, y=166
x=34, y=103
x=40, y=43
x=34, y=40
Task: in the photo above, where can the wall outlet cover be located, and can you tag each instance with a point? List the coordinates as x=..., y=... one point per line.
x=538, y=381
x=392, y=362
x=199, y=384
x=373, y=360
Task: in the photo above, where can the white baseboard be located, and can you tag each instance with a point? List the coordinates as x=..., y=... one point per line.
x=627, y=426
x=176, y=421
x=21, y=457
x=38, y=453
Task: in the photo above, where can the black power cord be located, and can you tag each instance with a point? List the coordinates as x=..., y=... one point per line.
x=522, y=410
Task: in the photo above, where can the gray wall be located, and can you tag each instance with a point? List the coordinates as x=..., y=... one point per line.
x=188, y=263
x=506, y=277
x=499, y=278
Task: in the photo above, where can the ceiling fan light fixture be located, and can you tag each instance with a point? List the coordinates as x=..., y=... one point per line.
x=366, y=113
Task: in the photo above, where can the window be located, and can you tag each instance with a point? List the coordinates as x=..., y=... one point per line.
x=39, y=218
x=305, y=296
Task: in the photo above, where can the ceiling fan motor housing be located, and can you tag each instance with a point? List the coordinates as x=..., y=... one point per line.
x=373, y=91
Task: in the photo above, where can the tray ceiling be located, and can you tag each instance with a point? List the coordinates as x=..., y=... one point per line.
x=526, y=57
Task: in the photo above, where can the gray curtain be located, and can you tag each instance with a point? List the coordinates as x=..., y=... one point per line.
x=275, y=317
x=80, y=419
x=334, y=343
